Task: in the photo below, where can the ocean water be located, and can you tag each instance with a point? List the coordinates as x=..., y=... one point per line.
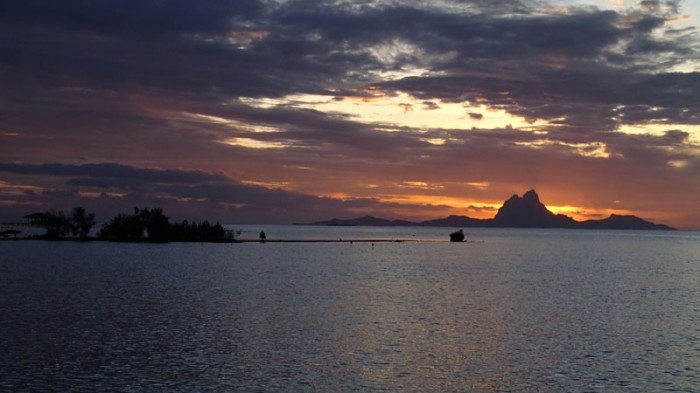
x=509, y=311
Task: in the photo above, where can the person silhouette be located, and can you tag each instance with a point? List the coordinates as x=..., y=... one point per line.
x=262, y=236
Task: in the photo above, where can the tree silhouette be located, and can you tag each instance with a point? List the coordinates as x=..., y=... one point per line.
x=144, y=224
x=81, y=222
x=154, y=226
x=124, y=227
x=157, y=225
x=57, y=225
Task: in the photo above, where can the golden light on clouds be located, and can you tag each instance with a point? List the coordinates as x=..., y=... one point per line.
x=254, y=143
x=404, y=110
x=678, y=163
x=482, y=185
x=266, y=184
x=9, y=191
x=420, y=185
x=592, y=149
x=233, y=123
x=7, y=188
x=338, y=195
x=451, y=205
x=661, y=129
x=434, y=141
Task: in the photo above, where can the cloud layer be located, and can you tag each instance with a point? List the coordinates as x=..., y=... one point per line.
x=279, y=111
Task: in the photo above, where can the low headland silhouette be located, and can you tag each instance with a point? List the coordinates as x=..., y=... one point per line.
x=517, y=212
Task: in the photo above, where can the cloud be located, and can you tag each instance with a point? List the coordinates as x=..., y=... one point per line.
x=214, y=50
x=430, y=106
x=481, y=209
x=110, y=188
x=111, y=171
x=406, y=108
x=137, y=99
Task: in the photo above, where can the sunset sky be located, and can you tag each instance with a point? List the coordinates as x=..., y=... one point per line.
x=277, y=111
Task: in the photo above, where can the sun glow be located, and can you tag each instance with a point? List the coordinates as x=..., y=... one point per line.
x=579, y=213
x=403, y=110
x=450, y=205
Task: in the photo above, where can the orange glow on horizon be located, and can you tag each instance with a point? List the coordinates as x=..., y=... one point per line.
x=579, y=213
x=444, y=205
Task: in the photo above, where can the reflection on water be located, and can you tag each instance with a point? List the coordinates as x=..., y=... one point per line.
x=518, y=311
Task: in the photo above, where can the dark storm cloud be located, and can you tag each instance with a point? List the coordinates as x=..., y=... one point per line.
x=567, y=94
x=178, y=46
x=668, y=7
x=480, y=36
x=129, y=17
x=223, y=49
x=184, y=46
x=636, y=114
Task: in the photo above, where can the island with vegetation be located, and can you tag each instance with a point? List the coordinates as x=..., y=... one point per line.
x=143, y=225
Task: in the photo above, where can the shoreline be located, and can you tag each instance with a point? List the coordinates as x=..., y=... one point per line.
x=345, y=241
x=89, y=240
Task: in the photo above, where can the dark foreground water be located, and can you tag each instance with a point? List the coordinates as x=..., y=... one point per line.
x=516, y=311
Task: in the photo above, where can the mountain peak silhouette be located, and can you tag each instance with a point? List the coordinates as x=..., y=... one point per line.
x=517, y=212
x=528, y=212
x=531, y=197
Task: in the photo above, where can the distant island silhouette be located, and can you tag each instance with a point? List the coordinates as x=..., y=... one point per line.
x=517, y=212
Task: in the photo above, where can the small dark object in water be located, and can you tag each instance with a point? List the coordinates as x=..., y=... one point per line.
x=262, y=236
x=457, y=236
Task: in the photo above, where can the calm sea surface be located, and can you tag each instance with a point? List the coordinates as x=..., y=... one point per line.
x=510, y=311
